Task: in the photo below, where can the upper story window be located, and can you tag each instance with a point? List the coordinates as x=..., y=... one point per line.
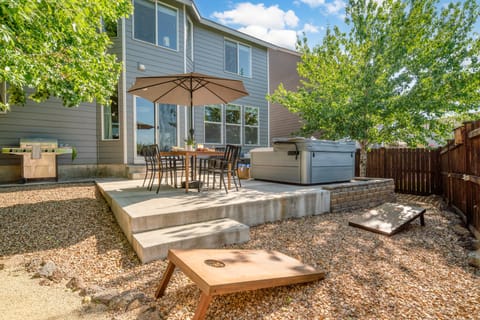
x=156, y=23
x=238, y=58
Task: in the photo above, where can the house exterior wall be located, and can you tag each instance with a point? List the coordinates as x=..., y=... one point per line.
x=209, y=59
x=283, y=69
x=82, y=127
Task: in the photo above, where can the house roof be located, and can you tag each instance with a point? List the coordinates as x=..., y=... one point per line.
x=231, y=31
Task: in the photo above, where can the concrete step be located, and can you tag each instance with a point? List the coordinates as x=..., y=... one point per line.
x=135, y=171
x=152, y=245
x=136, y=175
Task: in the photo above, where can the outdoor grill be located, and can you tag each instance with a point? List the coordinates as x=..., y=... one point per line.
x=38, y=157
x=304, y=161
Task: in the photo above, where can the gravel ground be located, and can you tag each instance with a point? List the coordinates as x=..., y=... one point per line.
x=420, y=273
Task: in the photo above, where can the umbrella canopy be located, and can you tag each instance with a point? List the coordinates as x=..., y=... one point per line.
x=188, y=89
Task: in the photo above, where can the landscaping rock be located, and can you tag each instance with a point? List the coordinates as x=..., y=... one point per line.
x=105, y=296
x=150, y=313
x=91, y=290
x=128, y=300
x=76, y=284
x=461, y=230
x=474, y=259
x=46, y=270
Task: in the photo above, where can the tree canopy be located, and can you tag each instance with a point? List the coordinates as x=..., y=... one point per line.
x=57, y=48
x=402, y=67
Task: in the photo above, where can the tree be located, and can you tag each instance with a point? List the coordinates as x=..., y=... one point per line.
x=402, y=67
x=57, y=48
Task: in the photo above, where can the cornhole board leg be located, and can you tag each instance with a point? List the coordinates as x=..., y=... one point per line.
x=222, y=271
x=165, y=279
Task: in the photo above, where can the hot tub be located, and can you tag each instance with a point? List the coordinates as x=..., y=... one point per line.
x=304, y=161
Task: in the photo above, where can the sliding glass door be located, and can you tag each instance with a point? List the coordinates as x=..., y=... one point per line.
x=155, y=124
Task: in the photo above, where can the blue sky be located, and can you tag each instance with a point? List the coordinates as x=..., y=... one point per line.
x=279, y=21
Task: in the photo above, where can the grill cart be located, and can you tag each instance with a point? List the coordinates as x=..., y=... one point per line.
x=39, y=157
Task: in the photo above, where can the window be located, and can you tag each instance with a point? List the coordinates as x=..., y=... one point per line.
x=251, y=125
x=189, y=47
x=155, y=23
x=166, y=27
x=213, y=124
x=237, y=58
x=145, y=127
x=233, y=124
x=111, y=130
x=144, y=21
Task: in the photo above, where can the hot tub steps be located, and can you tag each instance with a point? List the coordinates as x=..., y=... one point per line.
x=153, y=245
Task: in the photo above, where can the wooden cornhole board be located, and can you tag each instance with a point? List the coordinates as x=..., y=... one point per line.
x=389, y=218
x=221, y=271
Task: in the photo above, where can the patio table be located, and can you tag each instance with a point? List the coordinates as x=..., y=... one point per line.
x=187, y=155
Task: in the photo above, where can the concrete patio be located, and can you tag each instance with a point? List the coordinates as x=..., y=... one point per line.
x=153, y=222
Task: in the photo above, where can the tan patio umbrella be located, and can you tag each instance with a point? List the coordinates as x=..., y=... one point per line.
x=188, y=89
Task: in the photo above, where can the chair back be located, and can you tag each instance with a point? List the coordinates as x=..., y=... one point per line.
x=232, y=154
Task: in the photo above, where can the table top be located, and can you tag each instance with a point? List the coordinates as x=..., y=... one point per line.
x=220, y=271
x=190, y=153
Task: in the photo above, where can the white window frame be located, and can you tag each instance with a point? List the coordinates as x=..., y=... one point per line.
x=221, y=123
x=156, y=26
x=250, y=126
x=103, y=121
x=189, y=22
x=233, y=124
x=238, y=58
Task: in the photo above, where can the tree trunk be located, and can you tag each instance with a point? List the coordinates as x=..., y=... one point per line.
x=363, y=160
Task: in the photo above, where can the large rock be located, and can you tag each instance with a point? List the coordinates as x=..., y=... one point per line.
x=47, y=270
x=128, y=300
x=105, y=296
x=474, y=259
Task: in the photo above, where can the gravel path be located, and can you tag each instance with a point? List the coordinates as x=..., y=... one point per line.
x=420, y=273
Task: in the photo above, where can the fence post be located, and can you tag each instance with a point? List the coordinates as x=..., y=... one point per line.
x=468, y=170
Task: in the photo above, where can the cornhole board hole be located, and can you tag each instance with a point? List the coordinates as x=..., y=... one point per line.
x=389, y=218
x=221, y=271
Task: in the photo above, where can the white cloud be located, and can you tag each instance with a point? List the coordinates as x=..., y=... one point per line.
x=247, y=13
x=281, y=37
x=271, y=23
x=309, y=28
x=335, y=7
x=314, y=3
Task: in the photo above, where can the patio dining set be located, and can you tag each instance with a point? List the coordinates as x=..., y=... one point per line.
x=192, y=168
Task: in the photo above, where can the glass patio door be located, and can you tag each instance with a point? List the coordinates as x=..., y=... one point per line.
x=156, y=124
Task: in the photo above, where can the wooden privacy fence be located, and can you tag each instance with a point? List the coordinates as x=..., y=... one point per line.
x=460, y=173
x=415, y=171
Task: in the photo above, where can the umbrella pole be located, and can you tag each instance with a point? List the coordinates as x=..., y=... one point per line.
x=192, y=131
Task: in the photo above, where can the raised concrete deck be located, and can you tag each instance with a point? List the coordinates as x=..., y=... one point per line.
x=211, y=218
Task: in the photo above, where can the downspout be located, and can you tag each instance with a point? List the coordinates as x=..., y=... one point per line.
x=124, y=93
x=268, y=102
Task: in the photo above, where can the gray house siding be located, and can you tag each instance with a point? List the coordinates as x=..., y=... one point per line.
x=111, y=151
x=209, y=59
x=157, y=61
x=73, y=126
